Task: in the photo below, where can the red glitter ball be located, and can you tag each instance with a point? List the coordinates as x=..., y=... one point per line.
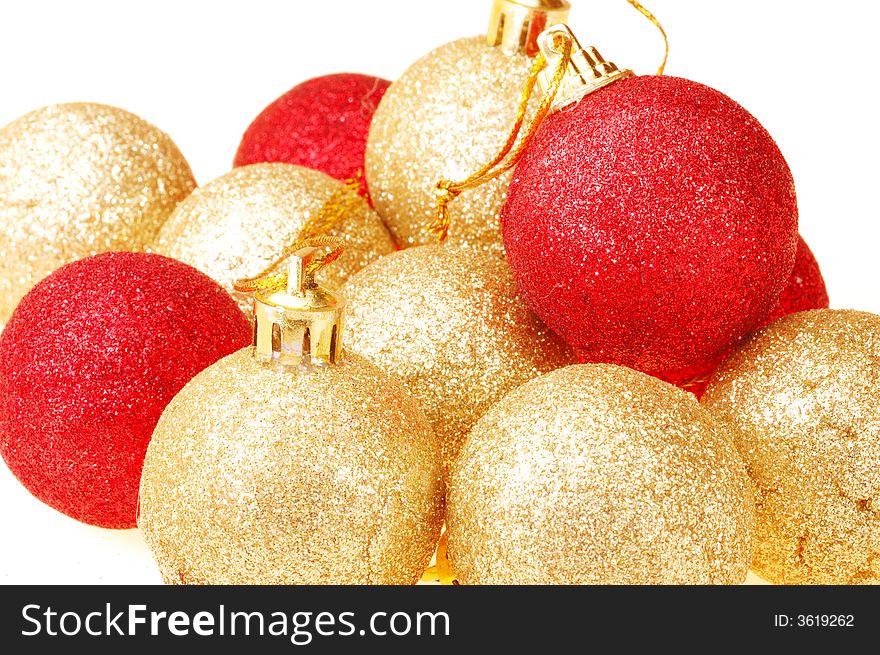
x=805, y=291
x=322, y=123
x=88, y=362
x=652, y=224
x=806, y=286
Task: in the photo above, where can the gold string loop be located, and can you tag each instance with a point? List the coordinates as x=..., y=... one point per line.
x=339, y=205
x=269, y=279
x=446, y=191
x=647, y=14
x=312, y=235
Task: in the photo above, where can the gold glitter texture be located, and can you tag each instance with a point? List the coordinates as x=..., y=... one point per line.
x=447, y=115
x=599, y=474
x=447, y=321
x=260, y=475
x=77, y=180
x=803, y=393
x=236, y=225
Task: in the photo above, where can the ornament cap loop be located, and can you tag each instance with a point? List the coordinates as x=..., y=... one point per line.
x=587, y=70
x=296, y=321
x=514, y=25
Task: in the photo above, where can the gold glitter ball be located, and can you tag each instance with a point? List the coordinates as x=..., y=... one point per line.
x=803, y=395
x=447, y=321
x=259, y=475
x=446, y=116
x=236, y=225
x=77, y=180
x=598, y=474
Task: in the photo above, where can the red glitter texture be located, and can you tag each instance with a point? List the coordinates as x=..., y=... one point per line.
x=322, y=124
x=89, y=360
x=805, y=291
x=652, y=224
x=806, y=286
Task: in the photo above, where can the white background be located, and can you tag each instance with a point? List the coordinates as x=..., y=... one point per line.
x=202, y=70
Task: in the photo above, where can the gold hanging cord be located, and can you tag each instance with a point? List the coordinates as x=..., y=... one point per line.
x=445, y=191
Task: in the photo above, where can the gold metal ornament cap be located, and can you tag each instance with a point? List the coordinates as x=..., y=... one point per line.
x=587, y=70
x=515, y=25
x=299, y=324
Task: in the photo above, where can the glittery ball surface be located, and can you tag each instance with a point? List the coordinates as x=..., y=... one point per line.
x=652, y=224
x=77, y=180
x=805, y=290
x=237, y=225
x=598, y=474
x=446, y=116
x=802, y=394
x=806, y=286
x=258, y=475
x=322, y=124
x=447, y=321
x=88, y=362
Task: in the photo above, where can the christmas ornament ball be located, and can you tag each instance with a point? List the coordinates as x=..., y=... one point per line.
x=598, y=474
x=88, y=362
x=652, y=224
x=321, y=124
x=445, y=117
x=802, y=394
x=448, y=323
x=261, y=475
x=236, y=225
x=76, y=180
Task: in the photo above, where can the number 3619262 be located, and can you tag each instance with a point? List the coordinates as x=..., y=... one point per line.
x=814, y=620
